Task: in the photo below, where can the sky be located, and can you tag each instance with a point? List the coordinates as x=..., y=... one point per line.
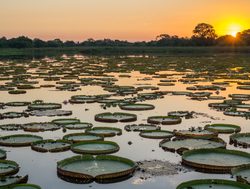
x=132, y=20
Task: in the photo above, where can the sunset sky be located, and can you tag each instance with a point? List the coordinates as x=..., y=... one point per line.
x=119, y=19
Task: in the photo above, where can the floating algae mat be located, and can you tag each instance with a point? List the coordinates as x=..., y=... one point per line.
x=223, y=128
x=156, y=134
x=95, y=147
x=51, y=146
x=215, y=160
x=81, y=137
x=115, y=117
x=25, y=186
x=8, y=167
x=137, y=107
x=212, y=184
x=242, y=173
x=190, y=144
x=100, y=168
x=19, y=140
x=104, y=131
x=241, y=139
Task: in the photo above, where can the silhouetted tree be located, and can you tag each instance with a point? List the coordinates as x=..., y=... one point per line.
x=38, y=43
x=204, y=34
x=20, y=42
x=244, y=37
x=226, y=40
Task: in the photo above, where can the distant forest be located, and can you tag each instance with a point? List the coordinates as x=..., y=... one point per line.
x=203, y=35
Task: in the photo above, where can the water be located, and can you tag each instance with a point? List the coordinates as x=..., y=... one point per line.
x=144, y=71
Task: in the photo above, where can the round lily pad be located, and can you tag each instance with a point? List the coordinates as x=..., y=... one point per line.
x=102, y=168
x=157, y=134
x=141, y=127
x=215, y=160
x=44, y=106
x=104, y=131
x=137, y=107
x=2, y=154
x=8, y=181
x=17, y=104
x=179, y=113
x=40, y=127
x=10, y=127
x=115, y=117
x=190, y=144
x=19, y=140
x=77, y=126
x=242, y=173
x=212, y=184
x=65, y=121
x=25, y=186
x=195, y=133
x=223, y=128
x=164, y=120
x=50, y=113
x=8, y=167
x=17, y=92
x=241, y=139
x=95, y=147
x=82, y=137
x=51, y=145
x=12, y=115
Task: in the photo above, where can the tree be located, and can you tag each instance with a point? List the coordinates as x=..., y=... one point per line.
x=226, y=40
x=20, y=42
x=244, y=37
x=204, y=34
x=38, y=43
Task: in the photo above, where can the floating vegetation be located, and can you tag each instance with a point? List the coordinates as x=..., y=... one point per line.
x=115, y=117
x=137, y=107
x=65, y=121
x=10, y=181
x=104, y=131
x=223, y=128
x=49, y=113
x=25, y=186
x=157, y=134
x=44, y=106
x=195, y=133
x=78, y=126
x=2, y=154
x=10, y=127
x=12, y=115
x=242, y=173
x=164, y=120
x=215, y=160
x=82, y=137
x=19, y=140
x=141, y=127
x=95, y=147
x=185, y=114
x=103, y=168
x=180, y=145
x=8, y=168
x=17, y=104
x=16, y=92
x=51, y=146
x=212, y=183
x=40, y=127
x=240, y=139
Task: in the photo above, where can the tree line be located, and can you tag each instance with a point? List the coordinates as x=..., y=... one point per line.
x=203, y=35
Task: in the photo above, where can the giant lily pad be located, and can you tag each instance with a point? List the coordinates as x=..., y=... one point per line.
x=104, y=131
x=8, y=167
x=82, y=137
x=241, y=139
x=242, y=173
x=215, y=160
x=157, y=134
x=101, y=168
x=95, y=147
x=164, y=120
x=212, y=184
x=51, y=146
x=137, y=107
x=115, y=117
x=19, y=140
x=223, y=128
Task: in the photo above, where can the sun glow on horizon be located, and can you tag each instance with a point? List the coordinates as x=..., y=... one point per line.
x=233, y=29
